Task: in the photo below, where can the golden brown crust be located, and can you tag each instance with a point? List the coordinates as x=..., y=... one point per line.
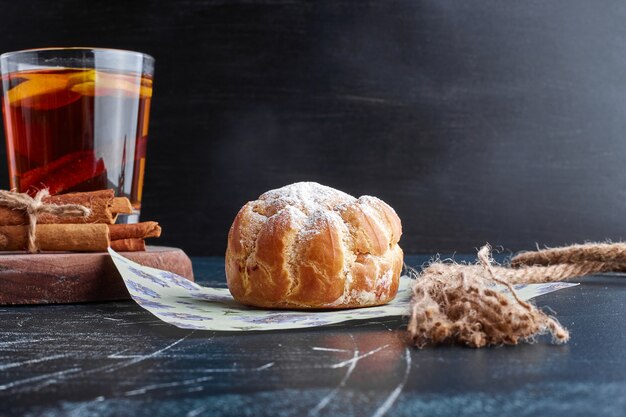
x=307, y=246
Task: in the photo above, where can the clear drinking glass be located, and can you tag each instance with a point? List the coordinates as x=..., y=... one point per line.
x=76, y=119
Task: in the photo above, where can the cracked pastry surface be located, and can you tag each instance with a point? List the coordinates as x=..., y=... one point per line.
x=308, y=246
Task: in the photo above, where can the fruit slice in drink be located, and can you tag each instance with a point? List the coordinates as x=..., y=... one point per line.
x=42, y=92
x=97, y=83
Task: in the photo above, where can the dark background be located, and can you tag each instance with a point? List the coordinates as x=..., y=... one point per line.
x=477, y=121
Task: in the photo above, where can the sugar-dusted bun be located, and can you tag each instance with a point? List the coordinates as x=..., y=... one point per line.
x=307, y=246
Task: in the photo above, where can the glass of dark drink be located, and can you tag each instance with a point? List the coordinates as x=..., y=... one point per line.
x=76, y=119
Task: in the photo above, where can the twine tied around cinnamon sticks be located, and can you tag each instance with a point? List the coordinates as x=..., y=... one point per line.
x=457, y=303
x=34, y=206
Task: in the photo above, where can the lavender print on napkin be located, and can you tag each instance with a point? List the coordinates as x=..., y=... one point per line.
x=187, y=305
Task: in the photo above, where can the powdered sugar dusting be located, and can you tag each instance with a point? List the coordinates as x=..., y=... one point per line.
x=363, y=298
x=386, y=279
x=309, y=197
x=320, y=219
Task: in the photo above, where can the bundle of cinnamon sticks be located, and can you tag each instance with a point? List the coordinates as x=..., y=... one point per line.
x=92, y=233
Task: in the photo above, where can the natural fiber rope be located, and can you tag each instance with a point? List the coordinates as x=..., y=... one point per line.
x=535, y=274
x=33, y=207
x=609, y=253
x=455, y=303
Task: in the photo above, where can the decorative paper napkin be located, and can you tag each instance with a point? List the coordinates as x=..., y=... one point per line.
x=187, y=305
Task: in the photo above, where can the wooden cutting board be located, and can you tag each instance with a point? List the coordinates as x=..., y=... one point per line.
x=51, y=278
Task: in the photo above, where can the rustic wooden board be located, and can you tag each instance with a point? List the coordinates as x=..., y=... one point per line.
x=54, y=278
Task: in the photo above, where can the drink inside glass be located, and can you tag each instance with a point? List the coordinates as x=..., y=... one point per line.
x=76, y=119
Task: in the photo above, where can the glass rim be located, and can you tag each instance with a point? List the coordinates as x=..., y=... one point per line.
x=12, y=54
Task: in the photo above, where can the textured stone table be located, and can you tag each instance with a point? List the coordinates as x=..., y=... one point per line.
x=116, y=359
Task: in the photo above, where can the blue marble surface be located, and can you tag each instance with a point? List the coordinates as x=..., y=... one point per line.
x=116, y=359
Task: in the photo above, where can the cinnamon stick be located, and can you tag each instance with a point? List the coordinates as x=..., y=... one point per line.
x=103, y=204
x=128, y=245
x=32, y=180
x=97, y=201
x=65, y=173
x=120, y=205
x=141, y=230
x=57, y=237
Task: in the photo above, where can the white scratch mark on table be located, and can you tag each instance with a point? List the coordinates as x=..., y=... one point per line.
x=358, y=358
x=384, y=407
x=325, y=349
x=17, y=364
x=21, y=322
x=197, y=411
x=328, y=398
x=113, y=368
x=266, y=366
x=153, y=387
x=17, y=342
x=234, y=369
x=52, y=377
x=49, y=379
x=117, y=355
